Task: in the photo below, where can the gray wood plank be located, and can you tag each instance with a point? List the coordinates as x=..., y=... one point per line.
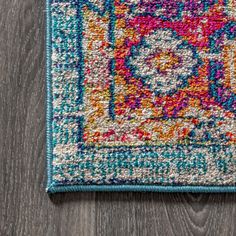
x=165, y=214
x=25, y=207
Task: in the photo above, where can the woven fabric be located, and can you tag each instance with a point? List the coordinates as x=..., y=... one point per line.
x=141, y=95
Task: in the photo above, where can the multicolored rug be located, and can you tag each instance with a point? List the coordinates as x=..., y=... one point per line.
x=141, y=95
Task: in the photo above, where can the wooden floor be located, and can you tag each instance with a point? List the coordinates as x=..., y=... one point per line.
x=25, y=207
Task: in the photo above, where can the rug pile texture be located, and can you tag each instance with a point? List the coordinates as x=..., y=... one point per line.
x=141, y=95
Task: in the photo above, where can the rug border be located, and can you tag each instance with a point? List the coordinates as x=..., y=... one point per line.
x=52, y=188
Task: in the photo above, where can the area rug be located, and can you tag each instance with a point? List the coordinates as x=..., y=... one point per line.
x=141, y=95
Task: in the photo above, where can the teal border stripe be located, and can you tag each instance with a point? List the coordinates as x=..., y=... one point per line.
x=49, y=96
x=52, y=188
x=111, y=37
x=141, y=188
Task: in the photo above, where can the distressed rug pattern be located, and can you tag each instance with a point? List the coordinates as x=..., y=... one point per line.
x=141, y=95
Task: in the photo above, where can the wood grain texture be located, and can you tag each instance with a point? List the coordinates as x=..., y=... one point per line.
x=25, y=207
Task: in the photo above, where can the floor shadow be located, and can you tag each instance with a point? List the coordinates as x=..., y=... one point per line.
x=188, y=198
